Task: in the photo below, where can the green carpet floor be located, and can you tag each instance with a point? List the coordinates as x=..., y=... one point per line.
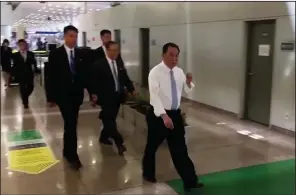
x=277, y=178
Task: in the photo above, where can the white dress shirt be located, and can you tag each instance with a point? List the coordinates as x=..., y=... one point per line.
x=104, y=49
x=115, y=74
x=68, y=50
x=160, y=87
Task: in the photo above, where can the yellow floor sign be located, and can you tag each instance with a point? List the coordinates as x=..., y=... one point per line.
x=29, y=153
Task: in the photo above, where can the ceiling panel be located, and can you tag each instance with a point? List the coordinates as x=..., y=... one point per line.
x=41, y=15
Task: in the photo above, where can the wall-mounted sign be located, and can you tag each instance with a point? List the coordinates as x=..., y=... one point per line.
x=287, y=46
x=265, y=34
x=153, y=42
x=263, y=50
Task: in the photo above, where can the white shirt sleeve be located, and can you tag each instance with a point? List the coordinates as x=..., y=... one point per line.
x=155, y=100
x=187, y=88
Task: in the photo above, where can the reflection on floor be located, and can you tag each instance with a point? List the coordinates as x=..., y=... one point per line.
x=216, y=143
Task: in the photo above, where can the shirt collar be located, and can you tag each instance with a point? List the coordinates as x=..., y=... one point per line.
x=104, y=48
x=166, y=68
x=109, y=60
x=68, y=50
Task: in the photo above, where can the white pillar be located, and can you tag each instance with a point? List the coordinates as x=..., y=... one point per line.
x=189, y=40
x=20, y=32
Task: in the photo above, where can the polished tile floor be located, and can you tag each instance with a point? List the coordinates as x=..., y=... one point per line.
x=216, y=142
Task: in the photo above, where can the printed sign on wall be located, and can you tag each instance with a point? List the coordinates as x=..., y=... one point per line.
x=264, y=50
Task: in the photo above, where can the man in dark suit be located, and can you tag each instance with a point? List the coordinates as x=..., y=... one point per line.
x=98, y=54
x=23, y=62
x=67, y=78
x=109, y=80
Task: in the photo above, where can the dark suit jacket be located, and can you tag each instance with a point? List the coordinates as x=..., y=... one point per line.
x=6, y=57
x=62, y=84
x=24, y=69
x=103, y=84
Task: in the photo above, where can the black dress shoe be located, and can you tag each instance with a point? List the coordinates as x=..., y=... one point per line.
x=196, y=186
x=74, y=163
x=121, y=150
x=105, y=142
x=149, y=179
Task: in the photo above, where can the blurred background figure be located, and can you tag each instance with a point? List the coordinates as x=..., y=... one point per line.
x=39, y=44
x=6, y=57
x=23, y=62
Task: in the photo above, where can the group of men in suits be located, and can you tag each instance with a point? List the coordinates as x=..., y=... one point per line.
x=103, y=74
x=70, y=71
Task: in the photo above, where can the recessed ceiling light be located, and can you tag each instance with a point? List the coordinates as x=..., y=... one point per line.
x=39, y=10
x=46, y=11
x=49, y=5
x=57, y=5
x=98, y=9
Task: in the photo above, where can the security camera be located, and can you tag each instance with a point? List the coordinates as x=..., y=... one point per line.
x=49, y=18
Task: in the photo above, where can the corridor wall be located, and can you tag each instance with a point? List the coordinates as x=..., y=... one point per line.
x=212, y=39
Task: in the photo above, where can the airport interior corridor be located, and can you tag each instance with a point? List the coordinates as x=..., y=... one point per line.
x=232, y=157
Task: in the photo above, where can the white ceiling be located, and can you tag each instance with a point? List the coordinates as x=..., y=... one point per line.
x=38, y=15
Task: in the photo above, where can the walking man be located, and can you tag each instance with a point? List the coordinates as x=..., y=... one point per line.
x=164, y=119
x=24, y=60
x=67, y=78
x=109, y=81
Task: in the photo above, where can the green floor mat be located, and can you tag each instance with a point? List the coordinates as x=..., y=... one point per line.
x=277, y=178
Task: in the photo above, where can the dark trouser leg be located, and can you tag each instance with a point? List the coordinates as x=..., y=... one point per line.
x=26, y=89
x=23, y=92
x=104, y=133
x=108, y=116
x=179, y=153
x=70, y=115
x=156, y=135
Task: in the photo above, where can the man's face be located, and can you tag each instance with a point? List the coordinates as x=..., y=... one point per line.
x=171, y=56
x=106, y=38
x=71, y=38
x=22, y=46
x=5, y=44
x=113, y=51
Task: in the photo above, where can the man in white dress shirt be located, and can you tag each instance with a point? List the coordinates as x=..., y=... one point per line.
x=164, y=119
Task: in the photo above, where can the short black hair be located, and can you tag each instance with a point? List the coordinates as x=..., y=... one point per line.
x=5, y=41
x=21, y=41
x=167, y=45
x=70, y=28
x=109, y=44
x=105, y=31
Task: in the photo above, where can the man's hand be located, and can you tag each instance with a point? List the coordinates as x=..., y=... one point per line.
x=188, y=79
x=168, y=123
x=51, y=104
x=94, y=100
